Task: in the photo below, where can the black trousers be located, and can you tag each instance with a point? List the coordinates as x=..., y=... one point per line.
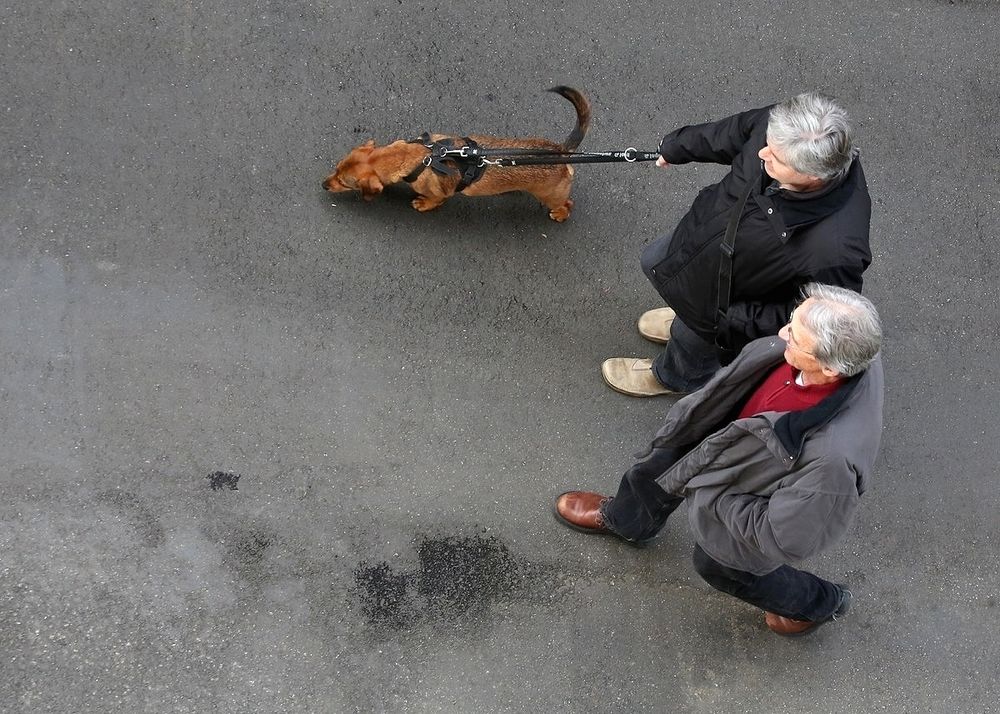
x=640, y=509
x=784, y=591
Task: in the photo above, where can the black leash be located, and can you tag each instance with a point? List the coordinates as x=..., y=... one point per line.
x=529, y=157
x=629, y=155
x=470, y=161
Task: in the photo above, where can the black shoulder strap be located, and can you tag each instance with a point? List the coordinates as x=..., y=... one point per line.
x=728, y=248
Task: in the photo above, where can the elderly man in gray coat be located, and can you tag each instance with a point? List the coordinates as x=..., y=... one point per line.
x=771, y=455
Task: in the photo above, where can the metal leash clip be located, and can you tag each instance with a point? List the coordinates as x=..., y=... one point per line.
x=444, y=152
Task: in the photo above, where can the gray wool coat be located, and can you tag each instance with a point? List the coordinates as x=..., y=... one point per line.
x=777, y=487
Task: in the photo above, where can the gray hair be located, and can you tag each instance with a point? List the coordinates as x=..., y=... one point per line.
x=815, y=134
x=846, y=327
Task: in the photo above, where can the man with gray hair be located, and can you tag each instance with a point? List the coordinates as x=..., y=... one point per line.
x=771, y=456
x=793, y=209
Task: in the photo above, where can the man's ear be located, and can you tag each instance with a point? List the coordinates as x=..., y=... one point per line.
x=370, y=187
x=831, y=372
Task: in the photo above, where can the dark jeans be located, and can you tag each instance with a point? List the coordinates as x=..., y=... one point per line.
x=785, y=591
x=687, y=361
x=640, y=509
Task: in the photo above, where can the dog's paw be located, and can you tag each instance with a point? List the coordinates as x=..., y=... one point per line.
x=422, y=203
x=561, y=213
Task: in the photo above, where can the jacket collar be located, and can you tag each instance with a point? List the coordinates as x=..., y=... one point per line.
x=792, y=427
x=798, y=209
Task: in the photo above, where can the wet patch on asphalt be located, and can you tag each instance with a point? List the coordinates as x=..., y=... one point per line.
x=220, y=480
x=457, y=581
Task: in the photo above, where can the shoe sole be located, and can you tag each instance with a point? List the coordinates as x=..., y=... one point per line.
x=655, y=338
x=804, y=633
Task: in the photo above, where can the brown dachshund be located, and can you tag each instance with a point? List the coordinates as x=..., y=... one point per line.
x=369, y=168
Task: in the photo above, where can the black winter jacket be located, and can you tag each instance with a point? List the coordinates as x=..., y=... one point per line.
x=785, y=239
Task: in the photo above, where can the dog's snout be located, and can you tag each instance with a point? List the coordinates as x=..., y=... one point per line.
x=334, y=184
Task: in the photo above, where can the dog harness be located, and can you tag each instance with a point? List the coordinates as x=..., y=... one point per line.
x=468, y=171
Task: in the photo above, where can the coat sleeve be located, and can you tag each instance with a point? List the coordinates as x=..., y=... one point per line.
x=792, y=524
x=844, y=276
x=749, y=320
x=714, y=142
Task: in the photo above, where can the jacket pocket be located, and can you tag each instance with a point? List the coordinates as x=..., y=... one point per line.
x=655, y=255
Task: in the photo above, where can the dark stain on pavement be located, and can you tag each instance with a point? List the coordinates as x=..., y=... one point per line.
x=384, y=598
x=142, y=518
x=456, y=581
x=220, y=480
x=248, y=547
x=458, y=574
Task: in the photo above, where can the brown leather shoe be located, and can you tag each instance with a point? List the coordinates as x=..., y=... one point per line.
x=789, y=627
x=581, y=510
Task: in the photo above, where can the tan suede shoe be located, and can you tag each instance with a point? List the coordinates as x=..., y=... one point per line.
x=654, y=325
x=633, y=377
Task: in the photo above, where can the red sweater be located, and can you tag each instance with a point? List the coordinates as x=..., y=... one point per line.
x=780, y=393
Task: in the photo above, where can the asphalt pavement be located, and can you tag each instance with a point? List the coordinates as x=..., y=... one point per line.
x=269, y=449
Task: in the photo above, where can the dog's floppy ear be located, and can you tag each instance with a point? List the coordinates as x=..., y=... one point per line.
x=370, y=186
x=369, y=145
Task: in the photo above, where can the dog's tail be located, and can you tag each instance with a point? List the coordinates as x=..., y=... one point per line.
x=582, y=116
